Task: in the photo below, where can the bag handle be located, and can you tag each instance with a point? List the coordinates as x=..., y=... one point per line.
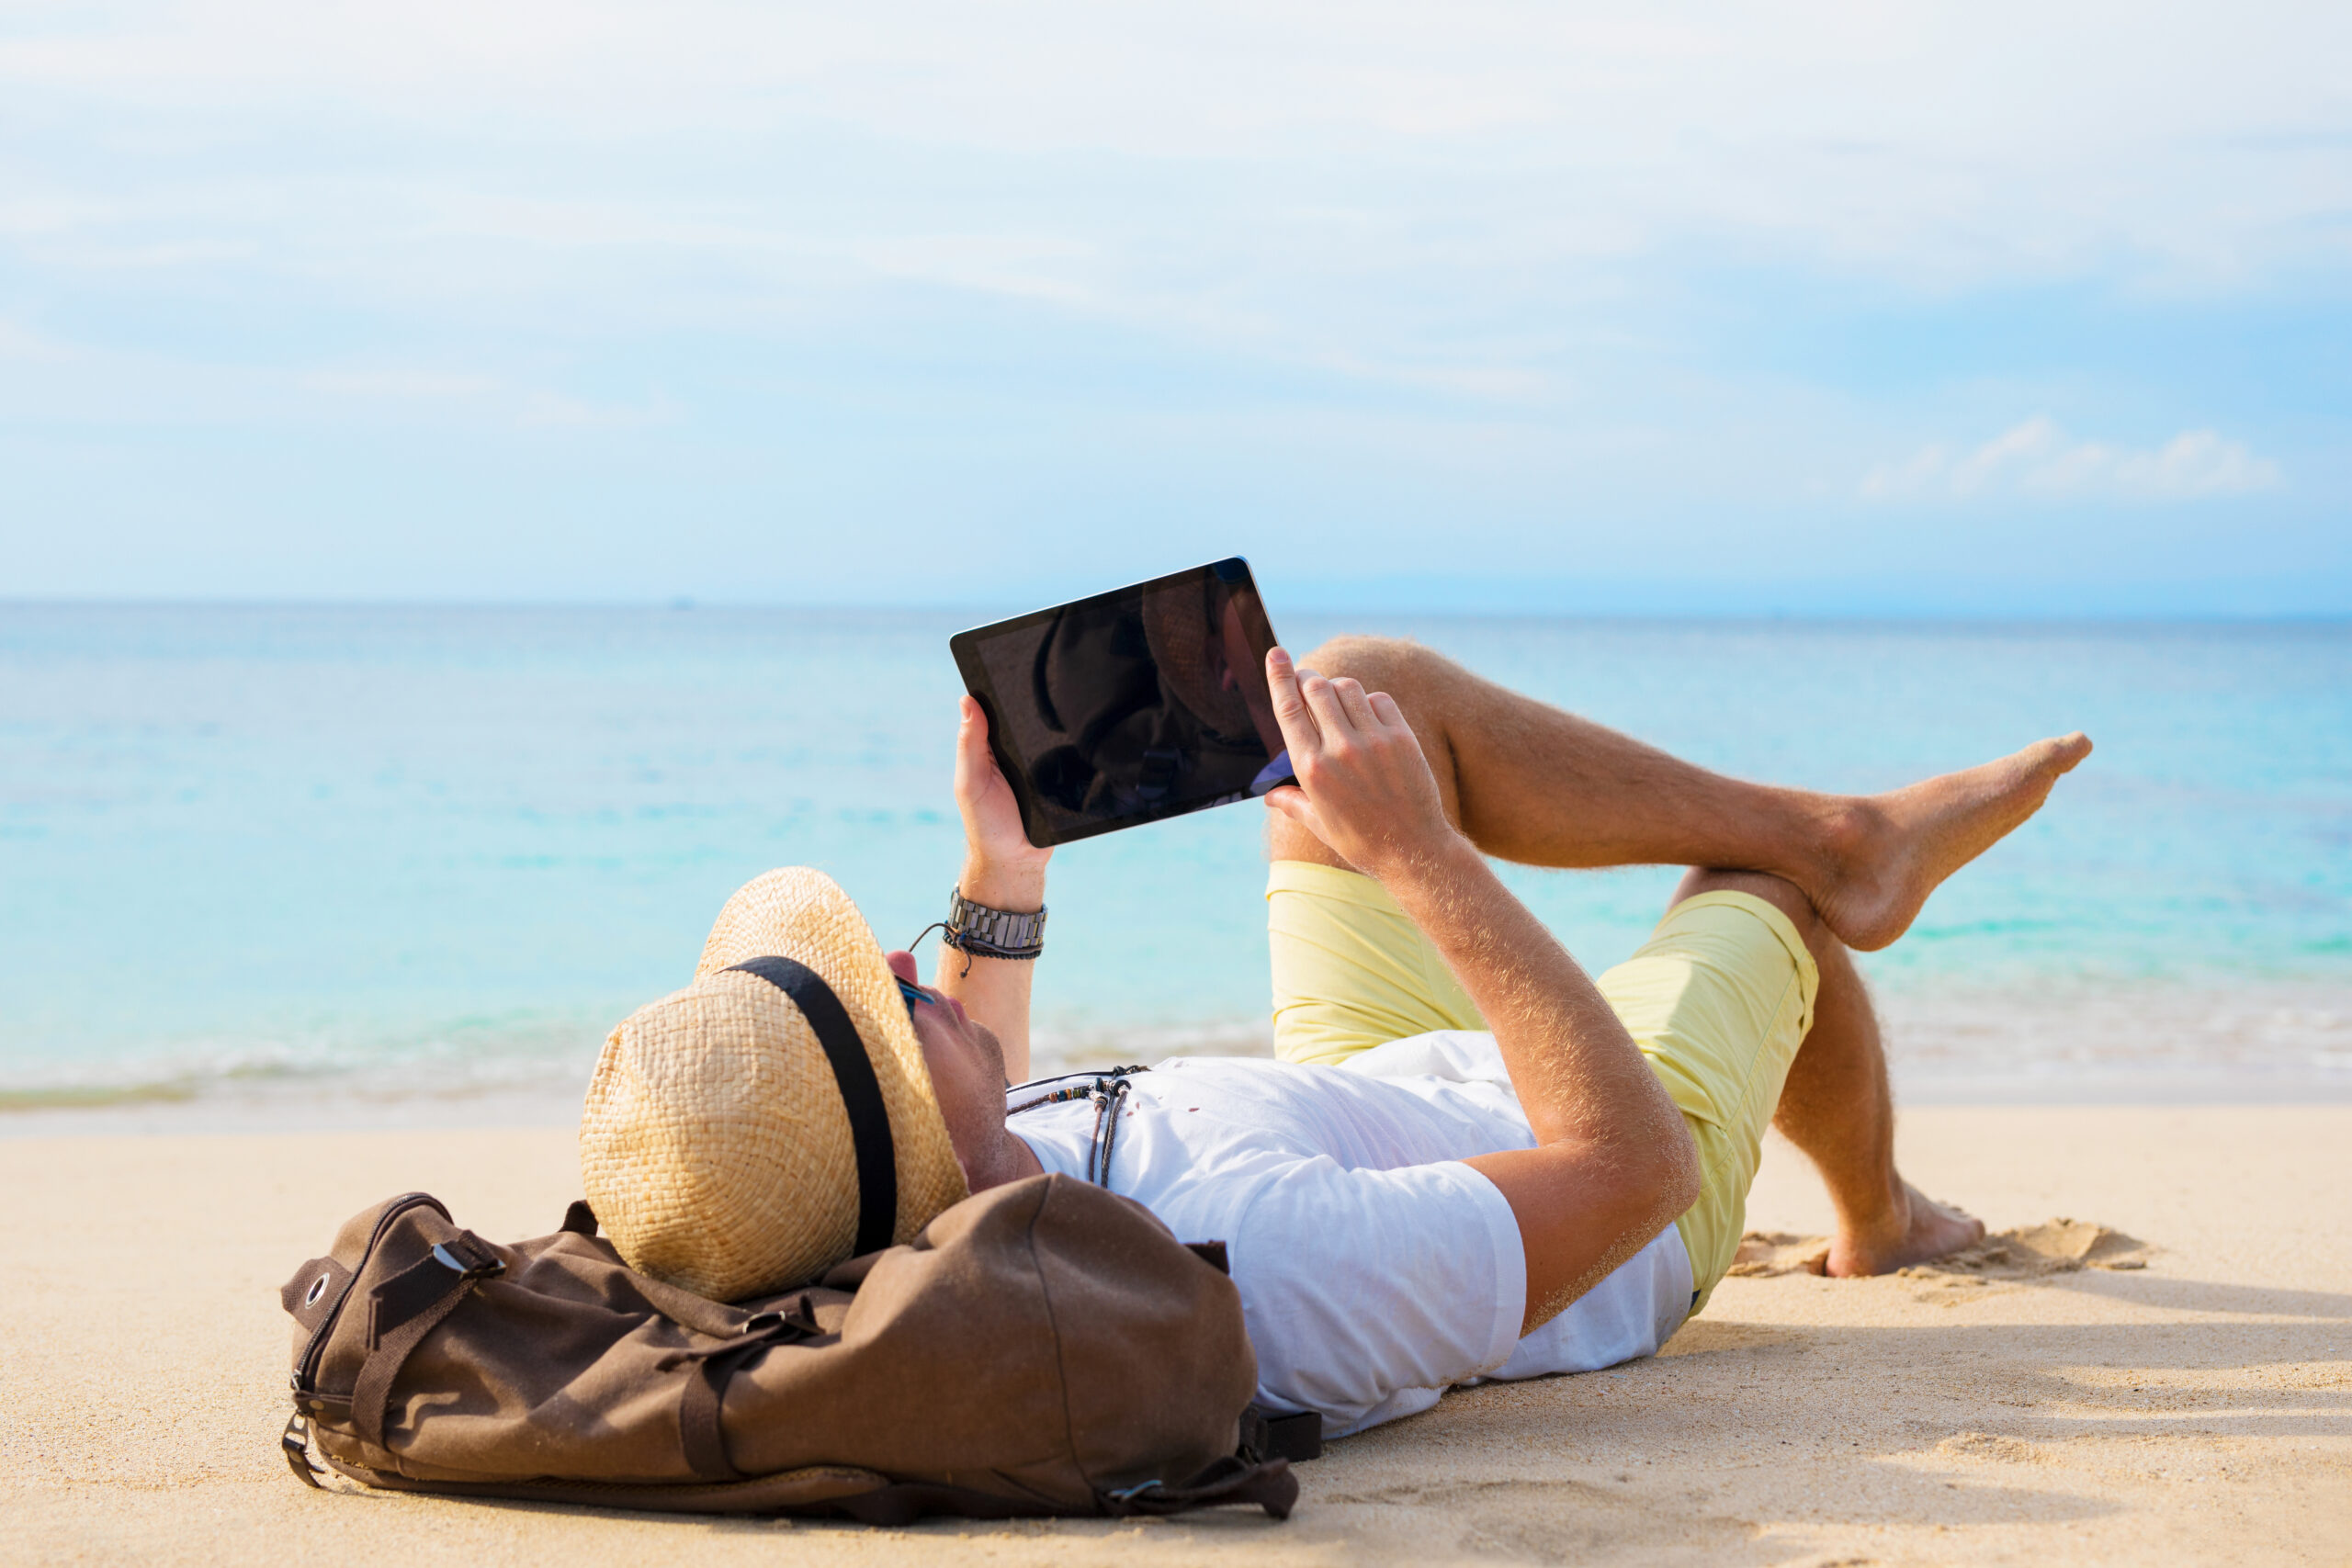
x=407, y=1307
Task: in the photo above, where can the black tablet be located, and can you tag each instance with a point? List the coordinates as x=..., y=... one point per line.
x=1131, y=705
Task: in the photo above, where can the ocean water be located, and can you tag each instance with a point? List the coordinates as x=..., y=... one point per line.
x=304, y=862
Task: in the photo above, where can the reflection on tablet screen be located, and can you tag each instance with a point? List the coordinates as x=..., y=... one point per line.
x=1133, y=705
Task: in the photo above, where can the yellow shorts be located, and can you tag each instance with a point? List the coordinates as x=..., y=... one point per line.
x=1718, y=999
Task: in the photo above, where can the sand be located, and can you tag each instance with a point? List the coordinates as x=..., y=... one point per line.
x=2196, y=1408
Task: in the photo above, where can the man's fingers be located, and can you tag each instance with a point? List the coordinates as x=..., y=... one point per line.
x=1323, y=702
x=1384, y=708
x=976, y=767
x=1353, y=701
x=1299, y=731
x=972, y=738
x=1292, y=802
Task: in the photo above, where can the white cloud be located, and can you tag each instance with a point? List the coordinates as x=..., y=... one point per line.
x=1504, y=260
x=430, y=386
x=1413, y=194
x=1944, y=144
x=2039, y=459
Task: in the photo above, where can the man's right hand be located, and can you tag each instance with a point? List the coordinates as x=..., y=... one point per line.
x=1614, y=1163
x=1363, y=788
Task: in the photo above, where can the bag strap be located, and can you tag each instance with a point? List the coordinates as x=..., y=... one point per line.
x=1296, y=1438
x=404, y=1309
x=739, y=1335
x=1267, y=1482
x=700, y=1436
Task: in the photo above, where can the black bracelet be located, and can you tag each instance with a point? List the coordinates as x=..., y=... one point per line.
x=978, y=930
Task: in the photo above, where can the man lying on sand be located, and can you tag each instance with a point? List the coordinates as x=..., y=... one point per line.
x=1471, y=1160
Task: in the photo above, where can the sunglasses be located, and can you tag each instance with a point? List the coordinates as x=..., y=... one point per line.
x=914, y=993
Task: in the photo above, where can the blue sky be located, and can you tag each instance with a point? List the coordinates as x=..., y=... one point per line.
x=1987, y=309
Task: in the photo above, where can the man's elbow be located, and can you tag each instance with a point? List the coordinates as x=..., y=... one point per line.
x=1683, y=1188
x=1672, y=1176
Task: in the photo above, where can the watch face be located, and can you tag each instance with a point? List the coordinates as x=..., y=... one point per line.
x=1132, y=705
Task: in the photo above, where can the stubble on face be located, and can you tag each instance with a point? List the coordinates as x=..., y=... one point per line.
x=967, y=1064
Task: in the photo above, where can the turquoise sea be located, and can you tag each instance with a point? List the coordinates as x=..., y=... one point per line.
x=333, y=863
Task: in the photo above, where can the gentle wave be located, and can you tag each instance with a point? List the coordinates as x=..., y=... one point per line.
x=98, y=1096
x=434, y=1072
x=1954, y=1045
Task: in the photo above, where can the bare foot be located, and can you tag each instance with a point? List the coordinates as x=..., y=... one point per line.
x=1888, y=851
x=1924, y=1229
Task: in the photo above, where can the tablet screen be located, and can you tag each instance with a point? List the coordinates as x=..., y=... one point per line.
x=1132, y=705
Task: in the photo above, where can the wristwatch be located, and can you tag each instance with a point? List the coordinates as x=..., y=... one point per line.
x=993, y=933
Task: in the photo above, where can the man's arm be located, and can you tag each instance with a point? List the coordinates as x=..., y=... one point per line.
x=1614, y=1162
x=1004, y=870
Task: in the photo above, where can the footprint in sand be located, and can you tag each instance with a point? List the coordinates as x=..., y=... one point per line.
x=1993, y=1446
x=1763, y=1254
x=2029, y=1252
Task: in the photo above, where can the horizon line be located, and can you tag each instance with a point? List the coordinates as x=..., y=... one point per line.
x=1319, y=606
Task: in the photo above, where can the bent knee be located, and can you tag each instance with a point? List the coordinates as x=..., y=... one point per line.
x=1777, y=891
x=1380, y=663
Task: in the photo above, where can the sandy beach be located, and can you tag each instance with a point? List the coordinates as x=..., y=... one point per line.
x=2197, y=1408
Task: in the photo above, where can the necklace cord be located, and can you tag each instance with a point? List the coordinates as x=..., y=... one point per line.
x=1108, y=1092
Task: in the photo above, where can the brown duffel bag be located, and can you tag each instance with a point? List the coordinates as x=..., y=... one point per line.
x=1043, y=1348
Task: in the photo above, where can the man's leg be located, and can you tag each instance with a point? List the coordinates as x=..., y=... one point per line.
x=1529, y=783
x=1836, y=1108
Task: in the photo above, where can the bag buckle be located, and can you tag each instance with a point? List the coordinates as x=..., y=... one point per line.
x=295, y=1443
x=466, y=1256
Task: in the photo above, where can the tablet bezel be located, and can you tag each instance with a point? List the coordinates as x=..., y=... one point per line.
x=964, y=646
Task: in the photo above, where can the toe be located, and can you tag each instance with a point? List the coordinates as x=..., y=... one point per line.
x=2067, y=750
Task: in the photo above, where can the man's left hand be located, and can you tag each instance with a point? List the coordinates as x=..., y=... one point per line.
x=1001, y=867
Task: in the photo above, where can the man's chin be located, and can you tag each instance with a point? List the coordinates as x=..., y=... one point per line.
x=995, y=1049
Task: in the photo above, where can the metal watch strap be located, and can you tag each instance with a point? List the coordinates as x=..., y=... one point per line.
x=993, y=933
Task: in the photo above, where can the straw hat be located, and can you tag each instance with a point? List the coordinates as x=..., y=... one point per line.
x=745, y=1134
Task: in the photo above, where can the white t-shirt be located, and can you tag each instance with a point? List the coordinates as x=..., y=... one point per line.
x=1375, y=1268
